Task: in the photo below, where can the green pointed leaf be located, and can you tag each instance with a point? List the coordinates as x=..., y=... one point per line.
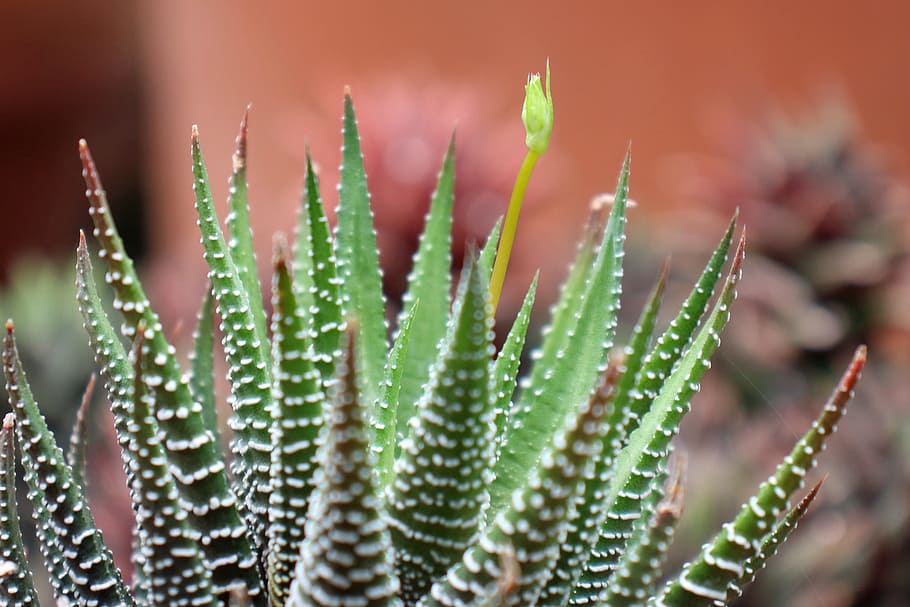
x=635, y=351
x=648, y=446
x=430, y=282
x=714, y=575
x=563, y=313
x=488, y=252
x=778, y=535
x=385, y=432
x=571, y=370
x=299, y=415
x=17, y=588
x=505, y=368
x=316, y=281
x=75, y=456
x=172, y=563
x=575, y=549
x=202, y=364
x=439, y=493
x=194, y=457
x=240, y=242
x=346, y=558
x=532, y=526
x=640, y=567
x=246, y=350
x=88, y=562
x=358, y=262
x=671, y=344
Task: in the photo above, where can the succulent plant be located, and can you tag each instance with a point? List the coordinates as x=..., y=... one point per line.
x=349, y=486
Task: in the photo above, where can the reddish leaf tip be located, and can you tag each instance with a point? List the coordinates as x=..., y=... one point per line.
x=9, y=420
x=279, y=249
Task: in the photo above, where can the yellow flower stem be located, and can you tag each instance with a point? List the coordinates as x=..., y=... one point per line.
x=507, y=238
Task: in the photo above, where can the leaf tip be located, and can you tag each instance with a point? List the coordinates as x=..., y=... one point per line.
x=238, y=160
x=279, y=249
x=9, y=421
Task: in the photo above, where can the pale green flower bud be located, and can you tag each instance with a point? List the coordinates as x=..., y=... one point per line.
x=537, y=113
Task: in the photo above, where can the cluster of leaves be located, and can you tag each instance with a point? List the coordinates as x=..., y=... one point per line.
x=368, y=473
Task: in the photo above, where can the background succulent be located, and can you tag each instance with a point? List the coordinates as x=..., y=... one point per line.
x=370, y=473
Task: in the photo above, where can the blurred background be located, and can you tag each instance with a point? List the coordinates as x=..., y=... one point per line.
x=798, y=115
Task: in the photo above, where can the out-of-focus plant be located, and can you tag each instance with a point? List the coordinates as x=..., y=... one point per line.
x=830, y=268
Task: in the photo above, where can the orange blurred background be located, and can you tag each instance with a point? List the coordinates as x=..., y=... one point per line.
x=132, y=78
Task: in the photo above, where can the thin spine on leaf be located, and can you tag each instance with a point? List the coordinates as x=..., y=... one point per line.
x=194, y=457
x=429, y=282
x=238, y=227
x=715, y=574
x=531, y=527
x=504, y=374
x=439, y=494
x=88, y=562
x=299, y=398
x=202, y=364
x=16, y=586
x=385, y=430
x=572, y=374
x=246, y=350
x=172, y=564
x=346, y=556
x=316, y=280
x=358, y=262
x=75, y=456
x=640, y=461
x=488, y=253
x=640, y=569
x=778, y=535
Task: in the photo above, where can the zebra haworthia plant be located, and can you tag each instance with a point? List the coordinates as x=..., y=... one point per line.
x=417, y=472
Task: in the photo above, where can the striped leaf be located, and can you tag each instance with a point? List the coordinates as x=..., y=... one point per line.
x=194, y=457
x=238, y=226
x=17, y=588
x=567, y=373
x=633, y=358
x=648, y=446
x=778, y=535
x=87, y=561
x=429, y=282
x=358, y=262
x=246, y=350
x=202, y=364
x=299, y=398
x=385, y=431
x=438, y=496
x=504, y=374
x=316, y=280
x=513, y=559
x=346, y=557
x=172, y=565
x=639, y=570
x=716, y=574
